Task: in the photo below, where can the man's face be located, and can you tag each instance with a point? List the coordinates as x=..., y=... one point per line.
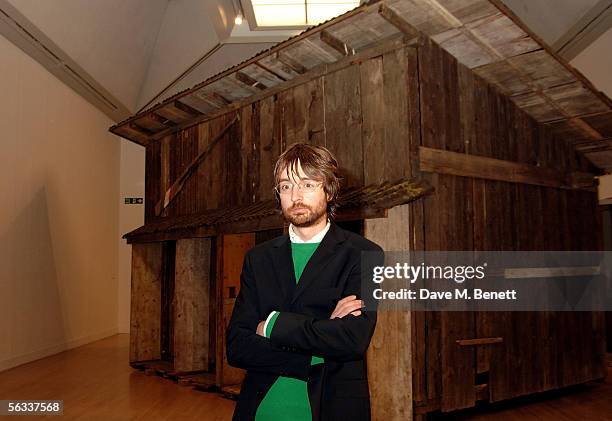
x=300, y=208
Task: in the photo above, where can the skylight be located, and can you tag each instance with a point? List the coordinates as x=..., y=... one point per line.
x=298, y=13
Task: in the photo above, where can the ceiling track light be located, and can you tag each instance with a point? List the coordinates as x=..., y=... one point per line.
x=238, y=11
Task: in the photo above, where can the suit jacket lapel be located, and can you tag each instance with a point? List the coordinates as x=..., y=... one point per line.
x=319, y=260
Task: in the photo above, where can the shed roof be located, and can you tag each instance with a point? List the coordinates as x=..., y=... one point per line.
x=484, y=35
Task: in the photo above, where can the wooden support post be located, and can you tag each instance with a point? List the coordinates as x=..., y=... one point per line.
x=391, y=348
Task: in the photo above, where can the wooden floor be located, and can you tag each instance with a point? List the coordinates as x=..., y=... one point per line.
x=96, y=383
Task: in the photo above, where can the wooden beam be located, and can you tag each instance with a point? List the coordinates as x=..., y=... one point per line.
x=249, y=81
x=143, y=130
x=186, y=108
x=151, y=122
x=219, y=98
x=479, y=341
x=595, y=22
x=337, y=44
x=272, y=72
x=464, y=165
x=396, y=20
x=162, y=120
x=132, y=134
x=296, y=66
x=586, y=128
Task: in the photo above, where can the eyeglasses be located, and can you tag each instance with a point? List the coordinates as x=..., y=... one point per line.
x=285, y=187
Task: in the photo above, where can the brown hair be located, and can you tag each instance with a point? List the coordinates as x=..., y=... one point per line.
x=318, y=163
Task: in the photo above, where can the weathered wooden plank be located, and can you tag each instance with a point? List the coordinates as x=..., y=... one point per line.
x=457, y=363
x=343, y=123
x=465, y=48
x=300, y=107
x=439, y=98
x=364, y=31
x=234, y=192
x=269, y=149
x=316, y=113
x=191, y=304
x=396, y=161
x=373, y=126
x=420, y=15
x=145, y=309
x=417, y=223
x=502, y=35
x=575, y=100
x=284, y=119
x=247, y=182
x=203, y=172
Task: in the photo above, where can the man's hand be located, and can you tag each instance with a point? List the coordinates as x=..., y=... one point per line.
x=347, y=305
x=260, y=328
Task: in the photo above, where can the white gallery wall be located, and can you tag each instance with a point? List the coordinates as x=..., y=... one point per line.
x=130, y=217
x=59, y=180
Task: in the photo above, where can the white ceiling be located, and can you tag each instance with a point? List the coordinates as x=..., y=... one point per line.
x=138, y=52
x=550, y=19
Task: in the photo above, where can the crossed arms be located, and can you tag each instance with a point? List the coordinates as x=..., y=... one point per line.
x=296, y=337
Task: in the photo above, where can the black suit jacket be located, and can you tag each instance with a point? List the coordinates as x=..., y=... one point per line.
x=337, y=388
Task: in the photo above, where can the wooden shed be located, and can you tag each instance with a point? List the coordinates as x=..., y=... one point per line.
x=456, y=129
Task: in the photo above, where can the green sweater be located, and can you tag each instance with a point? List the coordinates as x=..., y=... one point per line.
x=287, y=399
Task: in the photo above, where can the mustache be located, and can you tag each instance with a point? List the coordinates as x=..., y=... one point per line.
x=299, y=206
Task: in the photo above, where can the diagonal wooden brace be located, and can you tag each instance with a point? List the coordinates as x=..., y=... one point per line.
x=177, y=186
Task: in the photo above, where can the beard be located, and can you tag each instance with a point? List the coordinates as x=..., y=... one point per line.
x=308, y=215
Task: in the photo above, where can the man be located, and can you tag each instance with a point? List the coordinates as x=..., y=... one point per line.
x=299, y=327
